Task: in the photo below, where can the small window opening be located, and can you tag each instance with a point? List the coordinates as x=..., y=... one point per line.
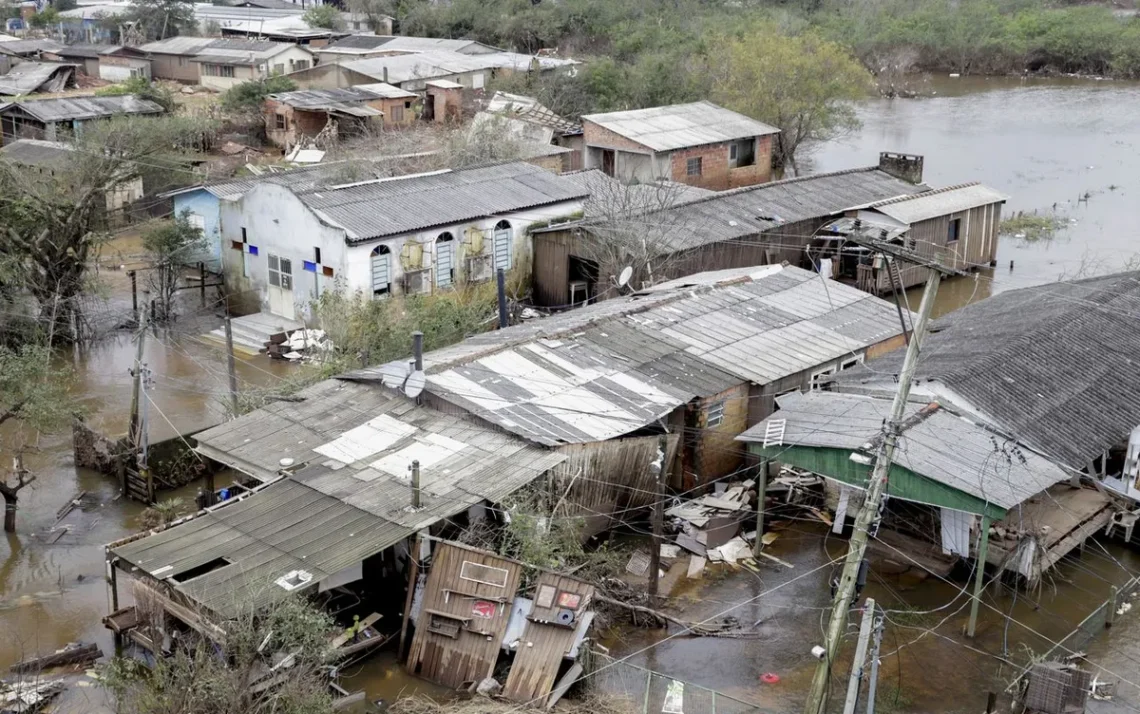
x=693, y=166
x=715, y=415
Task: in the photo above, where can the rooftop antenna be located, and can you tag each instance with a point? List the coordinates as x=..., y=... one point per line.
x=414, y=384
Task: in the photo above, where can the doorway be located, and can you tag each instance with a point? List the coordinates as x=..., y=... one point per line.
x=281, y=287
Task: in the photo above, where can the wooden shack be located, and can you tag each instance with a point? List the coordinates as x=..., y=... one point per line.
x=559, y=603
x=464, y=613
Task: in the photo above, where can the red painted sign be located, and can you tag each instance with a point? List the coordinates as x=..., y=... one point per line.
x=484, y=609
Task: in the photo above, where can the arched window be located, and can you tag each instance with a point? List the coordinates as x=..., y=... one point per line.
x=444, y=260
x=503, y=248
x=381, y=270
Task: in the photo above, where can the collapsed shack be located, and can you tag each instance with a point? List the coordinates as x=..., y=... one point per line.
x=171, y=463
x=471, y=609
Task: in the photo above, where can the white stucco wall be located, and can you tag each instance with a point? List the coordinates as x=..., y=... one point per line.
x=278, y=223
x=288, y=59
x=121, y=73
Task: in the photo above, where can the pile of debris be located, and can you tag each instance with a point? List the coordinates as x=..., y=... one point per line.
x=305, y=344
x=25, y=696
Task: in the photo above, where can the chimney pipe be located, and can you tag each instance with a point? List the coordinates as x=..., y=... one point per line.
x=418, y=349
x=416, y=484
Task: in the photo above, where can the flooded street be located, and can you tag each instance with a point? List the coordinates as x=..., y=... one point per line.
x=1055, y=146
x=1058, y=146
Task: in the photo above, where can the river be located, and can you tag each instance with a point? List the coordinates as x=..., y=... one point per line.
x=1051, y=145
x=1054, y=146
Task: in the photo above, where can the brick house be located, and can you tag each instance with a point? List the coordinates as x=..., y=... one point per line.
x=292, y=117
x=698, y=144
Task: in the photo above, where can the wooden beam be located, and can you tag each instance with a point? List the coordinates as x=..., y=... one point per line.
x=413, y=574
x=979, y=574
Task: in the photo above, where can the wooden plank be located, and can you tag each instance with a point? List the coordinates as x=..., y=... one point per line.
x=348, y=634
x=67, y=655
x=564, y=684
x=545, y=643
x=784, y=563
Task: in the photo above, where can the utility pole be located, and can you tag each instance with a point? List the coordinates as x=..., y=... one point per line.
x=658, y=470
x=230, y=369
x=144, y=437
x=867, y=520
x=136, y=372
x=873, y=684
x=856, y=679
x=761, y=496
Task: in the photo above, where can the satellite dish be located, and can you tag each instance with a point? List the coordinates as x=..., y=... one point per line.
x=415, y=384
x=626, y=274
x=394, y=374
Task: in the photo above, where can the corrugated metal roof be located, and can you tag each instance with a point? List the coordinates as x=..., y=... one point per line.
x=528, y=109
x=322, y=98
x=387, y=91
x=440, y=63
x=178, y=45
x=36, y=152
x=727, y=215
x=26, y=47
x=29, y=77
x=387, y=207
x=242, y=51
x=87, y=51
x=678, y=126
x=608, y=194
x=940, y=202
x=354, y=43
x=1054, y=365
x=943, y=446
x=611, y=368
x=348, y=501
x=67, y=108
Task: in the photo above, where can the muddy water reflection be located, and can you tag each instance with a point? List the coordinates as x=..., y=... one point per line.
x=1067, y=147
x=54, y=594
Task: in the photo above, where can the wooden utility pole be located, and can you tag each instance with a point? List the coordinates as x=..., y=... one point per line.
x=868, y=516
x=136, y=372
x=144, y=438
x=873, y=683
x=761, y=495
x=658, y=471
x=230, y=369
x=856, y=679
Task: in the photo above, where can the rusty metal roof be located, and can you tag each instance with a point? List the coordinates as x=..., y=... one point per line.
x=611, y=368
x=348, y=498
x=678, y=126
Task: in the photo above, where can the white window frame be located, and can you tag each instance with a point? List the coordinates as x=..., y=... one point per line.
x=815, y=381
x=850, y=363
x=283, y=272
x=463, y=569
x=509, y=233
x=714, y=415
x=387, y=290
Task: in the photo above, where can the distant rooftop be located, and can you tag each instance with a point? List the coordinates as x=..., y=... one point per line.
x=71, y=108
x=678, y=126
x=385, y=207
x=36, y=152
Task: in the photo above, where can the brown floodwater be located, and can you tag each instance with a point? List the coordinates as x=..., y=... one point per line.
x=1044, y=143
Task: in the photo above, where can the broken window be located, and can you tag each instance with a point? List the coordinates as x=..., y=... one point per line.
x=693, y=166
x=954, y=232
x=821, y=380
x=715, y=415
x=443, y=625
x=742, y=153
x=848, y=364
x=485, y=574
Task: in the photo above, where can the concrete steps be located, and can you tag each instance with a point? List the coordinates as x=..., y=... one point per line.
x=252, y=332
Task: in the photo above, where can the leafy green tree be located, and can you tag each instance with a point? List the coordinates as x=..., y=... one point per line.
x=249, y=96
x=326, y=16
x=802, y=85
x=48, y=18
x=163, y=18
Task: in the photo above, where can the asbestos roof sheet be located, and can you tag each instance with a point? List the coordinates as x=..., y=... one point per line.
x=678, y=126
x=387, y=91
x=324, y=98
x=36, y=152
x=942, y=447
x=420, y=65
x=350, y=494
x=608, y=194
x=614, y=367
x=1053, y=365
x=30, y=77
x=86, y=50
x=68, y=108
x=385, y=207
x=940, y=202
x=241, y=51
x=178, y=45
x=28, y=47
x=675, y=224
